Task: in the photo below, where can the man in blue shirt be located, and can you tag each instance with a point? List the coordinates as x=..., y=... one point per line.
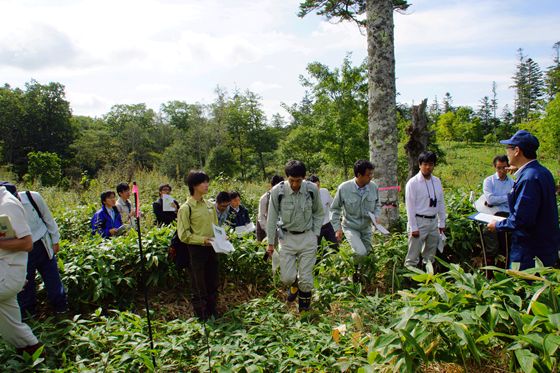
x=533, y=218
x=496, y=188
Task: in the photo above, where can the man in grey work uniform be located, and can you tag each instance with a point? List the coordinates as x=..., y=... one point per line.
x=354, y=200
x=295, y=209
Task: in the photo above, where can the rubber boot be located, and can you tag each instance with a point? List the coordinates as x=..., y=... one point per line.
x=292, y=292
x=304, y=300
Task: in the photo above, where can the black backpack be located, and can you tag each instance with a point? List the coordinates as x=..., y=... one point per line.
x=181, y=258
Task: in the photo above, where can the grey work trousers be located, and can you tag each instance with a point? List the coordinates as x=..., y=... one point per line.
x=12, y=329
x=360, y=240
x=297, y=258
x=426, y=244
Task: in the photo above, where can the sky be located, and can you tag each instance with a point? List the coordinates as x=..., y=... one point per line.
x=154, y=51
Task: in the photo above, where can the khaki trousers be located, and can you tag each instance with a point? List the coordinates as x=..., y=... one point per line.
x=297, y=258
x=360, y=240
x=15, y=332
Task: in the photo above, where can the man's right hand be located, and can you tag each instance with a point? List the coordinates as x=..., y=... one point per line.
x=338, y=235
x=415, y=234
x=113, y=231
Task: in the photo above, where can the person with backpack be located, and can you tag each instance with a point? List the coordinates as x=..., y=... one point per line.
x=42, y=258
x=295, y=209
x=194, y=228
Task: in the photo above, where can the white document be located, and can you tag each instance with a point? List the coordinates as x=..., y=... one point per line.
x=441, y=242
x=244, y=229
x=168, y=204
x=6, y=229
x=220, y=242
x=485, y=218
x=381, y=229
x=480, y=206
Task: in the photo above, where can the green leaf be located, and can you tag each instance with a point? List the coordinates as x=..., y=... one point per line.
x=526, y=359
x=412, y=342
x=554, y=319
x=551, y=344
x=540, y=309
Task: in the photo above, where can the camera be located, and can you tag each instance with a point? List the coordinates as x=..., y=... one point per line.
x=433, y=202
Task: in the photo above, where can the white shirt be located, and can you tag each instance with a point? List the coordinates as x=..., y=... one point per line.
x=326, y=201
x=417, y=198
x=10, y=205
x=262, y=216
x=39, y=231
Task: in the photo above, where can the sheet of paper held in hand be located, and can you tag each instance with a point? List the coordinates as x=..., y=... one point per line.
x=485, y=218
x=167, y=202
x=244, y=229
x=381, y=229
x=220, y=242
x=6, y=229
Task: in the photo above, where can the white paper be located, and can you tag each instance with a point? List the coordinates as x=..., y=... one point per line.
x=381, y=229
x=220, y=242
x=480, y=206
x=168, y=204
x=441, y=242
x=6, y=229
x=244, y=229
x=486, y=218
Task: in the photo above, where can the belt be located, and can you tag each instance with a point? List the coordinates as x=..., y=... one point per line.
x=293, y=232
x=426, y=216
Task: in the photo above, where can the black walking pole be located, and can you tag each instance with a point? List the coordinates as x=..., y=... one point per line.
x=143, y=271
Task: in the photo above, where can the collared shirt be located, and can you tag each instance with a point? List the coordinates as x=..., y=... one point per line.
x=298, y=211
x=326, y=200
x=222, y=216
x=262, y=216
x=11, y=206
x=353, y=204
x=194, y=221
x=125, y=208
x=496, y=191
x=533, y=218
x=47, y=230
x=419, y=191
x=518, y=172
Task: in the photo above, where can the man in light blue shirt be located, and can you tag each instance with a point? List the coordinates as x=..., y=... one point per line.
x=496, y=188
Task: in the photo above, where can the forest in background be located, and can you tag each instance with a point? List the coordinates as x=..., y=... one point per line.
x=42, y=141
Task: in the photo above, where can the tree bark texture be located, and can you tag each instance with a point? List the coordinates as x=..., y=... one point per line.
x=383, y=137
x=419, y=136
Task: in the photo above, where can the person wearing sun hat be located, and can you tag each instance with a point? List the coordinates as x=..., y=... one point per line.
x=533, y=218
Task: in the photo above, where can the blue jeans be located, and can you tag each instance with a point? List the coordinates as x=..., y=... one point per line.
x=38, y=260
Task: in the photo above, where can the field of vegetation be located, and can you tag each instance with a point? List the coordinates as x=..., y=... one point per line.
x=452, y=317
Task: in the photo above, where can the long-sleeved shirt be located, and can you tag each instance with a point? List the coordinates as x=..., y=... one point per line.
x=298, y=211
x=326, y=201
x=263, y=210
x=44, y=229
x=104, y=220
x=194, y=221
x=164, y=217
x=222, y=216
x=352, y=204
x=496, y=191
x=533, y=218
x=10, y=206
x=125, y=208
x=419, y=191
x=239, y=217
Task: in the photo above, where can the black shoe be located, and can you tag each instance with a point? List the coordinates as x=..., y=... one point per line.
x=292, y=293
x=304, y=300
x=31, y=349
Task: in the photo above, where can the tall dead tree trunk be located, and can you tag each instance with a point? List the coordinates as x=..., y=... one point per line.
x=419, y=135
x=383, y=137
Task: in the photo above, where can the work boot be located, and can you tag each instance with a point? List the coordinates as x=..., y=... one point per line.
x=292, y=293
x=304, y=300
x=30, y=349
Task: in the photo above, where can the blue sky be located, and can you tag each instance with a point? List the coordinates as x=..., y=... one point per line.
x=152, y=51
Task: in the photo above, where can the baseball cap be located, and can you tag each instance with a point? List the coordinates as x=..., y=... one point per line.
x=524, y=140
